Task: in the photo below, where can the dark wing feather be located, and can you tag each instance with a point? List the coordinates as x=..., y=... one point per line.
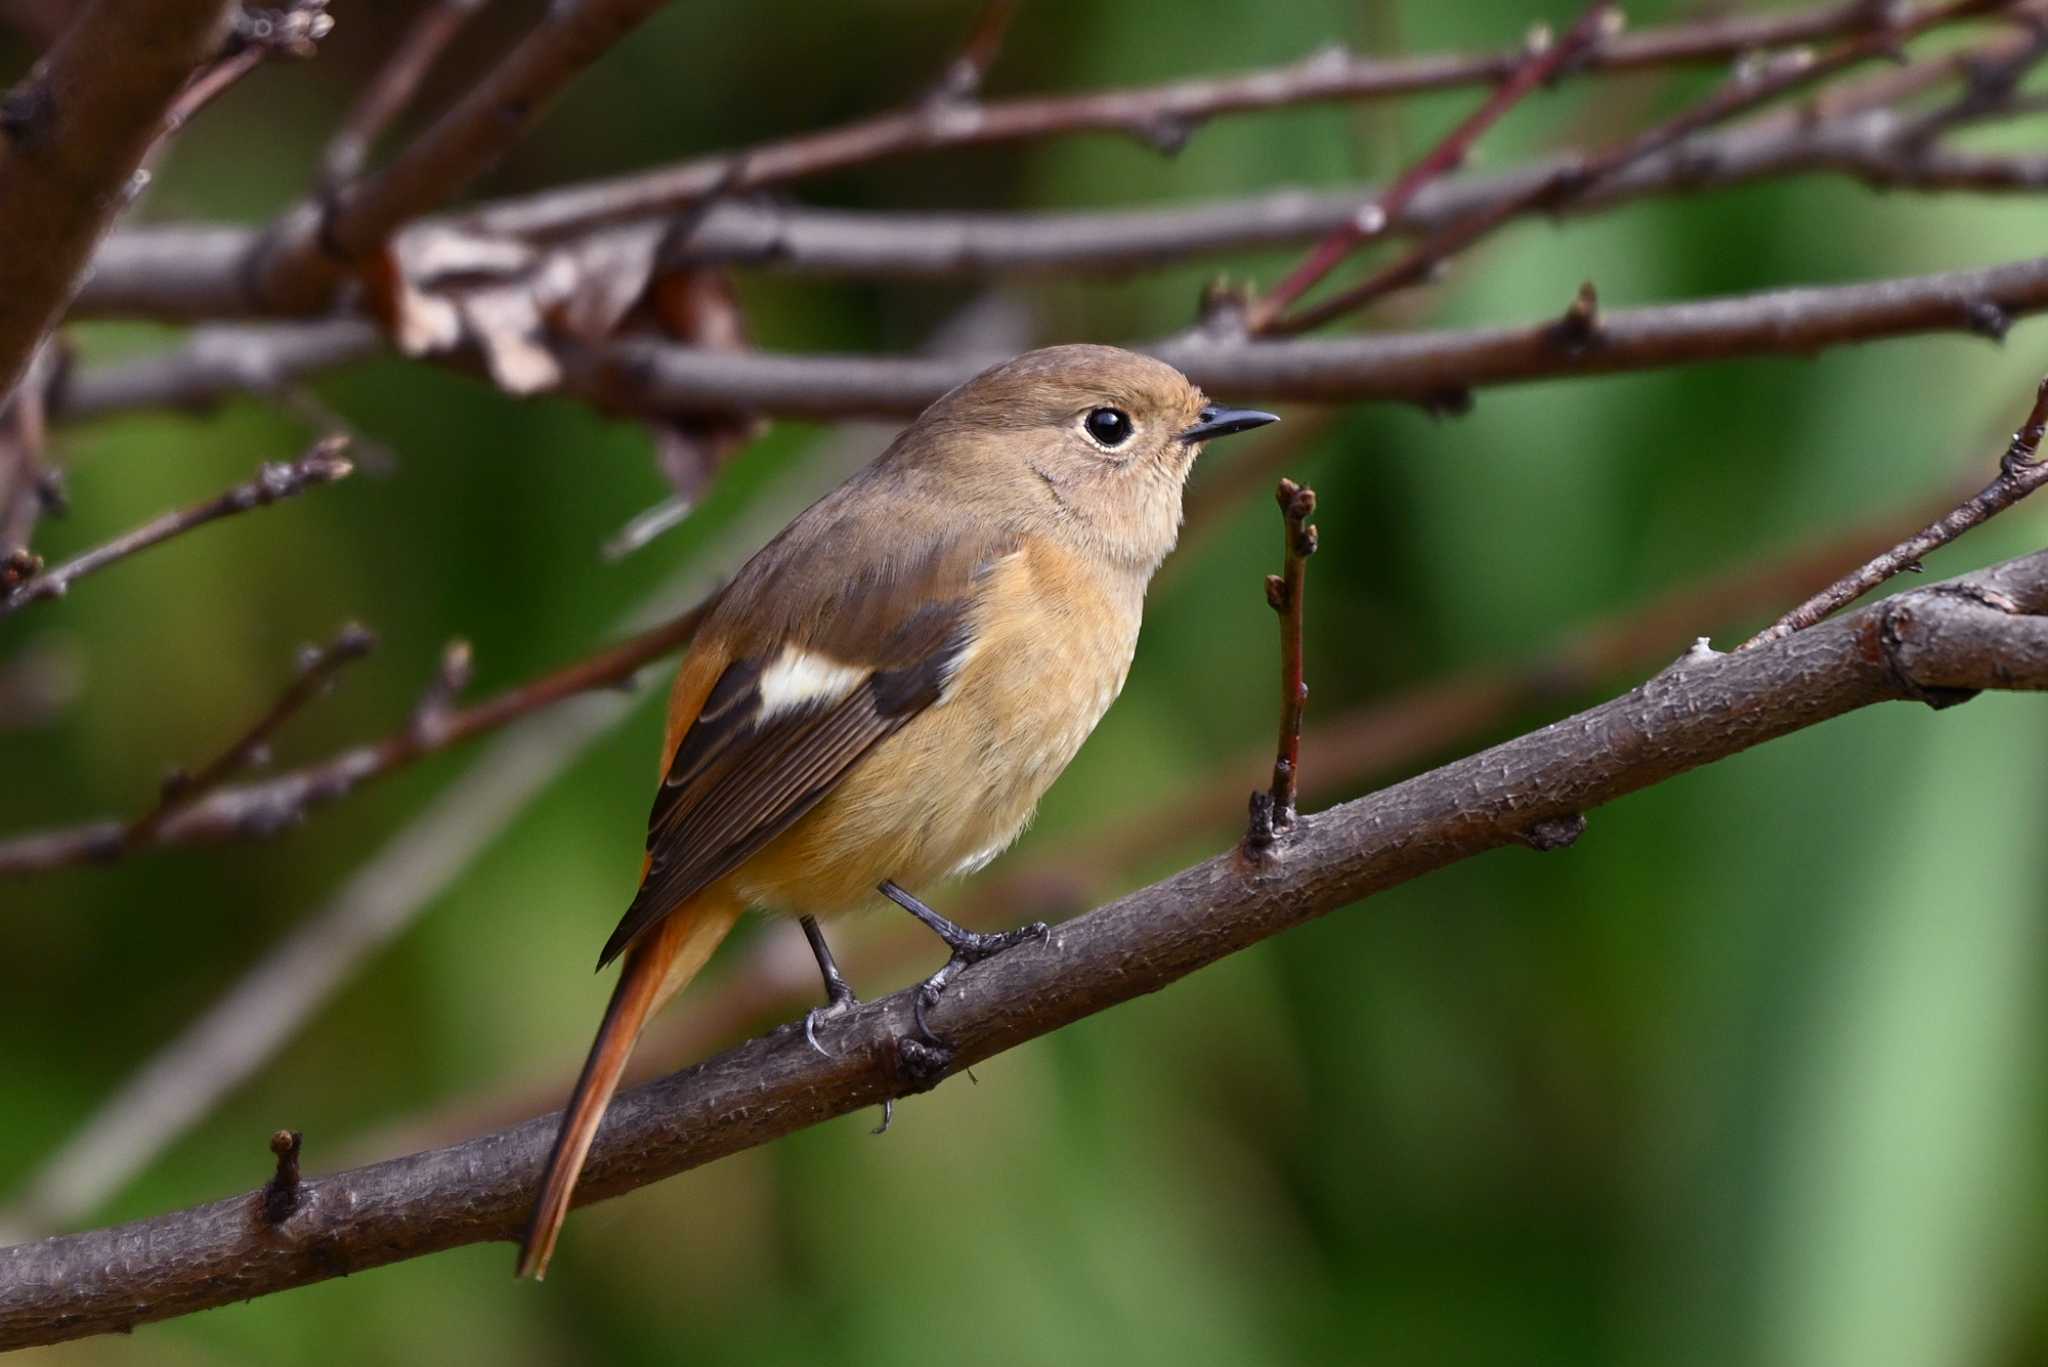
x=736, y=782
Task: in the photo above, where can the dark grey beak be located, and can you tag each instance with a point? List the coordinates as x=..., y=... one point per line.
x=1223, y=422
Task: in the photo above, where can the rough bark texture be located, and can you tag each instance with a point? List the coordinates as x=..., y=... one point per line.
x=71, y=139
x=1936, y=645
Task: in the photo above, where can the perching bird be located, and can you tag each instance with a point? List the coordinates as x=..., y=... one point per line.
x=880, y=696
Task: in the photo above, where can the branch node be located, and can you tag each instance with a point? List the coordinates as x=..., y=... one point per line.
x=17, y=567
x=920, y=1065
x=1579, y=328
x=1987, y=319
x=282, y=1194
x=1553, y=833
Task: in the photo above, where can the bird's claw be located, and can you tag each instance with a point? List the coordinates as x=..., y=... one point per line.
x=842, y=1002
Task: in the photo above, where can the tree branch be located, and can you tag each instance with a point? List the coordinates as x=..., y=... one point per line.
x=275, y=482
x=314, y=246
x=1273, y=809
x=271, y=805
x=73, y=134
x=2020, y=472
x=1547, y=57
x=1436, y=368
x=1162, y=116
x=1702, y=709
x=392, y=88
x=317, y=669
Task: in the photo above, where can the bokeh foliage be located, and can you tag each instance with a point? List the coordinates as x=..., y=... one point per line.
x=1751, y=1074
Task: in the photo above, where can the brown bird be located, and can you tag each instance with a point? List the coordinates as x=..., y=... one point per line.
x=881, y=695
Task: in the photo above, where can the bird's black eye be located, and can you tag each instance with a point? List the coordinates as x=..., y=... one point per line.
x=1110, y=426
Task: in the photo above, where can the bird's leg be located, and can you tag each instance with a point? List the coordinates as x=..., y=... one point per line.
x=969, y=947
x=839, y=998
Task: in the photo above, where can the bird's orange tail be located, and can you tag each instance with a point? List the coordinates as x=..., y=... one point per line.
x=656, y=968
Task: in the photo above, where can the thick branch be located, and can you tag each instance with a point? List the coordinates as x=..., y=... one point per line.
x=72, y=136
x=1703, y=709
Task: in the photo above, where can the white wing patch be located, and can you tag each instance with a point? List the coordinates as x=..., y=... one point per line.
x=799, y=678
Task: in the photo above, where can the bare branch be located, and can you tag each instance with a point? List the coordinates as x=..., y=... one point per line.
x=1704, y=709
x=1547, y=56
x=1163, y=116
x=1435, y=368
x=316, y=245
x=323, y=464
x=275, y=804
x=2020, y=472
x=1742, y=93
x=317, y=669
x=74, y=134
x=962, y=78
x=393, y=87
x=1273, y=810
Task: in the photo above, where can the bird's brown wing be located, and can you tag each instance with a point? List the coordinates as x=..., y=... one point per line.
x=786, y=721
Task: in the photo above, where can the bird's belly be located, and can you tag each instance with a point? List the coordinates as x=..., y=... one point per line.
x=952, y=789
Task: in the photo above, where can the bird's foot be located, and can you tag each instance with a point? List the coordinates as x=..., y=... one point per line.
x=841, y=1002
x=969, y=947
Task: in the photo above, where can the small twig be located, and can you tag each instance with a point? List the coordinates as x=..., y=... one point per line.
x=1273, y=811
x=1747, y=90
x=323, y=464
x=2020, y=472
x=393, y=87
x=962, y=79
x=318, y=667
x=281, y=1194
x=294, y=30
x=29, y=485
x=430, y=717
x=1546, y=57
x=1163, y=115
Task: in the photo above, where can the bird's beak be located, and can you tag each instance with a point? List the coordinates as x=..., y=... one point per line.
x=1215, y=421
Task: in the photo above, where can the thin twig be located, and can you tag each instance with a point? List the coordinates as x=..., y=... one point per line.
x=323, y=464
x=393, y=87
x=1273, y=810
x=266, y=807
x=1744, y=92
x=315, y=245
x=317, y=669
x=1547, y=56
x=200, y=271
x=961, y=81
x=1162, y=116
x=1706, y=709
x=2020, y=472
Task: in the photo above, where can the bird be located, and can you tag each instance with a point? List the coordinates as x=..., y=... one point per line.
x=880, y=696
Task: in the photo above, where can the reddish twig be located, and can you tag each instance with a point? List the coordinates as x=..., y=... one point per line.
x=275, y=804
x=317, y=669
x=1163, y=116
x=316, y=245
x=1273, y=810
x=1746, y=91
x=1545, y=59
x=393, y=87
x=323, y=464
x=961, y=81
x=2020, y=472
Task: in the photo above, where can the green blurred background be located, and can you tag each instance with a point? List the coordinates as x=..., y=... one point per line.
x=1751, y=1074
